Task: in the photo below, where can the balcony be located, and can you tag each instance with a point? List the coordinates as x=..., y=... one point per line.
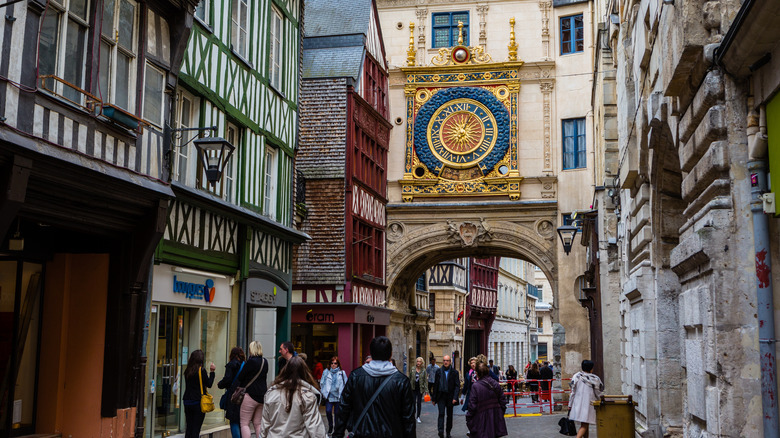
x=534, y=291
x=422, y=302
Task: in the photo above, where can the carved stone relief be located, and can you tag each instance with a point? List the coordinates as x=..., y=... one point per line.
x=547, y=88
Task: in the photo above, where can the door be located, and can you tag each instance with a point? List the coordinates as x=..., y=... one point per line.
x=262, y=328
x=172, y=350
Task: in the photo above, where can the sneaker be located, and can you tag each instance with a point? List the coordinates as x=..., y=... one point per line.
x=418, y=420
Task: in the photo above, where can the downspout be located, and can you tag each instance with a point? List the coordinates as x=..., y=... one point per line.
x=757, y=165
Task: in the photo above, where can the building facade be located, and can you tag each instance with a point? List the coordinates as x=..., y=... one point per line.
x=481, y=304
x=340, y=292
x=447, y=286
x=509, y=339
x=223, y=271
x=85, y=94
x=465, y=62
x=684, y=243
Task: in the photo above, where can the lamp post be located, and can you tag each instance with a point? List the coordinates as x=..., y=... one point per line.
x=214, y=152
x=567, y=233
x=528, y=327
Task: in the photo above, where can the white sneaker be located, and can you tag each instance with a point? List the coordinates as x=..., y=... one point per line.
x=418, y=420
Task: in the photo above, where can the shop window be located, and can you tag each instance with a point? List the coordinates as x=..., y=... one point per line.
x=63, y=47
x=20, y=292
x=572, y=34
x=445, y=28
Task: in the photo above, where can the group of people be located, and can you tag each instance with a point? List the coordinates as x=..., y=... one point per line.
x=375, y=400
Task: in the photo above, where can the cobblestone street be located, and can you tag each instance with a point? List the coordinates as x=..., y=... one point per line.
x=544, y=426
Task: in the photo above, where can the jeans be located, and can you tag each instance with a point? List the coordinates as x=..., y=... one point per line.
x=418, y=396
x=235, y=430
x=445, y=404
x=194, y=418
x=331, y=410
x=251, y=411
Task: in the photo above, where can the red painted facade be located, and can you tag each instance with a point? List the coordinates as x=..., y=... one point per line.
x=481, y=303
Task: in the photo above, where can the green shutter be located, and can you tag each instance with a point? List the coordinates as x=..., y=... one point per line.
x=773, y=131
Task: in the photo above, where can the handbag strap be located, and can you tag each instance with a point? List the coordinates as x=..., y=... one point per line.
x=200, y=378
x=262, y=367
x=239, y=372
x=370, y=402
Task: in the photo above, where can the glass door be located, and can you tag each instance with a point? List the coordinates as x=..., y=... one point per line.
x=172, y=343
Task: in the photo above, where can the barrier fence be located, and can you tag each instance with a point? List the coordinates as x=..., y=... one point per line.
x=544, y=394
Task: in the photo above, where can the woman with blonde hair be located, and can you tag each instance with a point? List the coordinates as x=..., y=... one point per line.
x=292, y=405
x=418, y=378
x=253, y=378
x=468, y=379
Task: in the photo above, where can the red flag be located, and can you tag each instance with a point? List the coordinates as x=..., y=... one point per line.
x=460, y=315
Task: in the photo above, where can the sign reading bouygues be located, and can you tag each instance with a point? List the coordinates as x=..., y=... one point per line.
x=195, y=291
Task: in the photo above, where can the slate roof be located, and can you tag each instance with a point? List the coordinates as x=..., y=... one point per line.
x=335, y=33
x=333, y=62
x=336, y=17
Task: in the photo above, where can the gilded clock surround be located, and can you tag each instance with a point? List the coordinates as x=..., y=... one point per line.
x=448, y=154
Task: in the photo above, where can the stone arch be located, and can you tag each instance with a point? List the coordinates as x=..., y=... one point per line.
x=415, y=242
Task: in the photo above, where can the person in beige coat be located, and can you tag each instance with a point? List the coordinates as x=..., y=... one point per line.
x=291, y=407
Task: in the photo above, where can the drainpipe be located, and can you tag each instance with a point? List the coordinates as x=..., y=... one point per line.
x=757, y=165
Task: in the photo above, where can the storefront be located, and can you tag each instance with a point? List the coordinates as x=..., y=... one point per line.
x=344, y=330
x=190, y=310
x=266, y=303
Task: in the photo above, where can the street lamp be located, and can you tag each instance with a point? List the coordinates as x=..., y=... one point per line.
x=567, y=233
x=215, y=152
x=527, y=312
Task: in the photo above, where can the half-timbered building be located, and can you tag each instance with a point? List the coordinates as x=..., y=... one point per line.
x=223, y=272
x=339, y=274
x=85, y=90
x=481, y=304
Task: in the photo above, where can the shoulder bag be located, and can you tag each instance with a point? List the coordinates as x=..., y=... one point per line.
x=368, y=405
x=206, y=399
x=238, y=395
x=223, y=401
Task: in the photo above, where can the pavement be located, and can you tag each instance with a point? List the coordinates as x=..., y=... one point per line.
x=531, y=424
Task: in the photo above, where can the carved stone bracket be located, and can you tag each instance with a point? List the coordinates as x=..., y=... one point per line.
x=470, y=233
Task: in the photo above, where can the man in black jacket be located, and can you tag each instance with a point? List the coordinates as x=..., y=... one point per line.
x=391, y=415
x=446, y=390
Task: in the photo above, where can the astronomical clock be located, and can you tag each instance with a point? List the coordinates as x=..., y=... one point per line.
x=461, y=137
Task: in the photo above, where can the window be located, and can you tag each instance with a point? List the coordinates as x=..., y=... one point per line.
x=276, y=50
x=232, y=135
x=154, y=87
x=118, y=44
x=571, y=34
x=63, y=46
x=202, y=11
x=573, y=143
x=269, y=197
x=421, y=283
x=185, y=118
x=567, y=220
x=239, y=30
x=445, y=28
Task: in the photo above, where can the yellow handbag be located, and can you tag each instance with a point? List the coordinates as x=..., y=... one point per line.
x=206, y=399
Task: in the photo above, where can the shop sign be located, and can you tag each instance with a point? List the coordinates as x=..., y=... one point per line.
x=320, y=317
x=263, y=292
x=366, y=206
x=176, y=285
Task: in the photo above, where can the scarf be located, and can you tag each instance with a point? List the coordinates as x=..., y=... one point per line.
x=336, y=383
x=380, y=368
x=589, y=379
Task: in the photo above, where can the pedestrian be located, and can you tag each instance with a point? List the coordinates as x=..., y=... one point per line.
x=368, y=359
x=286, y=351
x=418, y=378
x=495, y=369
x=527, y=367
x=546, y=375
x=253, y=378
x=431, y=371
x=233, y=369
x=468, y=380
x=331, y=384
x=511, y=373
x=585, y=388
x=532, y=378
x=446, y=393
x=305, y=358
x=377, y=399
x=485, y=416
x=292, y=405
x=197, y=381
x=318, y=369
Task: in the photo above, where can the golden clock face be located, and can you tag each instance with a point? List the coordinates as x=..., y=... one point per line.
x=461, y=129
x=461, y=132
